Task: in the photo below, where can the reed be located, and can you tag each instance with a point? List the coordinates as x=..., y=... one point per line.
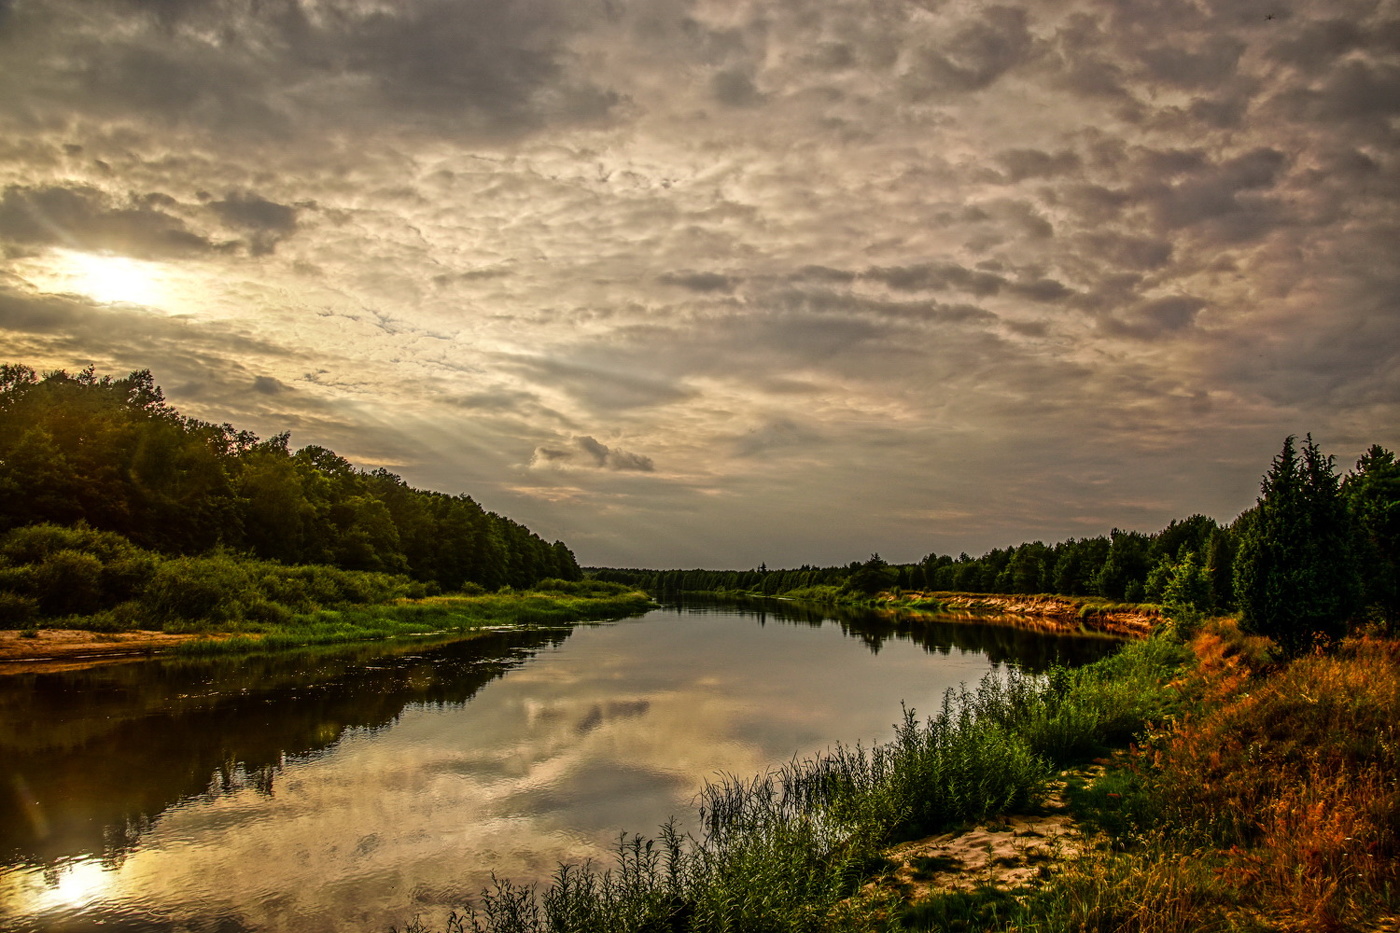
x=790, y=849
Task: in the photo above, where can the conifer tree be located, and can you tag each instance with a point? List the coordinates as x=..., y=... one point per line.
x=1295, y=577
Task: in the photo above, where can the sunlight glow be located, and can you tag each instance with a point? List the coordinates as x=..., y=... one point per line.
x=109, y=278
x=73, y=885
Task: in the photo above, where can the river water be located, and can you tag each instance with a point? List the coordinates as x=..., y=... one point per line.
x=354, y=789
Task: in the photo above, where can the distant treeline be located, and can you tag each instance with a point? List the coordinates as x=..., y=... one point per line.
x=1312, y=536
x=1126, y=565
x=111, y=454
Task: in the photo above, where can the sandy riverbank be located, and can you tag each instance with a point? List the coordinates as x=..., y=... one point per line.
x=58, y=649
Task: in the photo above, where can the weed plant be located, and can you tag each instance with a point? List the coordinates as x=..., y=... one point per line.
x=1269, y=801
x=789, y=850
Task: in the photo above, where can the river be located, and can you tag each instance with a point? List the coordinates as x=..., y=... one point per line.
x=354, y=789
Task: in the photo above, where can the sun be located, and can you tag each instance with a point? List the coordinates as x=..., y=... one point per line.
x=109, y=278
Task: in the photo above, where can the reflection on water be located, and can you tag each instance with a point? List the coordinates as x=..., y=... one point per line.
x=352, y=789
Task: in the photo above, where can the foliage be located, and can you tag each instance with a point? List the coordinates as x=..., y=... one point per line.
x=1295, y=576
x=98, y=580
x=111, y=454
x=788, y=850
x=1190, y=567
x=1372, y=494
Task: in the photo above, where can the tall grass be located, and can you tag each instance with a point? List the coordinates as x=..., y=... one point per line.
x=1271, y=802
x=788, y=849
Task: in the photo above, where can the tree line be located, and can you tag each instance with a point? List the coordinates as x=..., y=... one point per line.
x=1315, y=551
x=110, y=454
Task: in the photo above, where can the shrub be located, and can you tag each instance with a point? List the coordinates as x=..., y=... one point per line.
x=68, y=582
x=17, y=611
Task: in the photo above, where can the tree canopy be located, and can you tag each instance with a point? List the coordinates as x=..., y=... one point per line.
x=112, y=454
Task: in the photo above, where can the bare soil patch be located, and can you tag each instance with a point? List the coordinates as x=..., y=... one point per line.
x=1004, y=853
x=60, y=649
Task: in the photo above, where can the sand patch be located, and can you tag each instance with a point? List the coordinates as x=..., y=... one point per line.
x=57, y=649
x=1004, y=853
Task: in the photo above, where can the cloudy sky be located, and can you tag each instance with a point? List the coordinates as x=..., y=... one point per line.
x=721, y=282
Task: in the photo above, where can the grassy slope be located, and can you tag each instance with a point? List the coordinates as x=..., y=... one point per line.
x=1270, y=801
x=1244, y=795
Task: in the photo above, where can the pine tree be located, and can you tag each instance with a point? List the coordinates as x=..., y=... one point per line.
x=1295, y=577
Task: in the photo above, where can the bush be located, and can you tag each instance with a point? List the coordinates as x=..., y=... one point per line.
x=197, y=589
x=68, y=582
x=17, y=611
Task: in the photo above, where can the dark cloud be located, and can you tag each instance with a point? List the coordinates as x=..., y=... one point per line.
x=734, y=89
x=1131, y=252
x=701, y=281
x=284, y=68
x=267, y=385
x=825, y=274
x=775, y=437
x=266, y=222
x=86, y=218
x=1021, y=164
x=1157, y=318
x=1317, y=44
x=586, y=452
x=974, y=56
x=936, y=276
x=1208, y=65
x=1225, y=195
x=1042, y=290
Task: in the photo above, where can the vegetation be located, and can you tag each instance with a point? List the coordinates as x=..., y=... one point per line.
x=111, y=454
x=1292, y=565
x=1269, y=803
x=98, y=580
x=1296, y=575
x=790, y=850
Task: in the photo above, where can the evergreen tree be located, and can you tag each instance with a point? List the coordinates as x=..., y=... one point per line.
x=1372, y=493
x=1295, y=577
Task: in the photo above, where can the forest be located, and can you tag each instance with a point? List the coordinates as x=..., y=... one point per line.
x=107, y=490
x=1315, y=551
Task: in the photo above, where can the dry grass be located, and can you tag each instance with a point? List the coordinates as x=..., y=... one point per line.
x=1287, y=782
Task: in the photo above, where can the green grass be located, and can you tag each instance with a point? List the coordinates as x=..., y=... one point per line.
x=789, y=850
x=428, y=616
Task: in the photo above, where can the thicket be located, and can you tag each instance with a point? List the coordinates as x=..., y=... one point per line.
x=98, y=580
x=112, y=454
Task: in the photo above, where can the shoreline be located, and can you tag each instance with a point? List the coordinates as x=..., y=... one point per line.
x=66, y=649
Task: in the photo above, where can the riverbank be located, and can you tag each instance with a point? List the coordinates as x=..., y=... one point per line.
x=1176, y=786
x=1044, y=613
x=62, y=648
x=1050, y=613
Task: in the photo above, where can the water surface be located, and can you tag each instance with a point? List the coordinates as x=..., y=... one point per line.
x=351, y=790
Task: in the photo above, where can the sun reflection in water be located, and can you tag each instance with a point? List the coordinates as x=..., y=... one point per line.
x=68, y=886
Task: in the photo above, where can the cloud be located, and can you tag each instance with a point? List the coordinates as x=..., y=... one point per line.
x=587, y=453
x=701, y=281
x=599, y=385
x=266, y=221
x=488, y=69
x=937, y=276
x=774, y=437
x=974, y=56
x=1158, y=317
x=86, y=218
x=791, y=246
x=1021, y=164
